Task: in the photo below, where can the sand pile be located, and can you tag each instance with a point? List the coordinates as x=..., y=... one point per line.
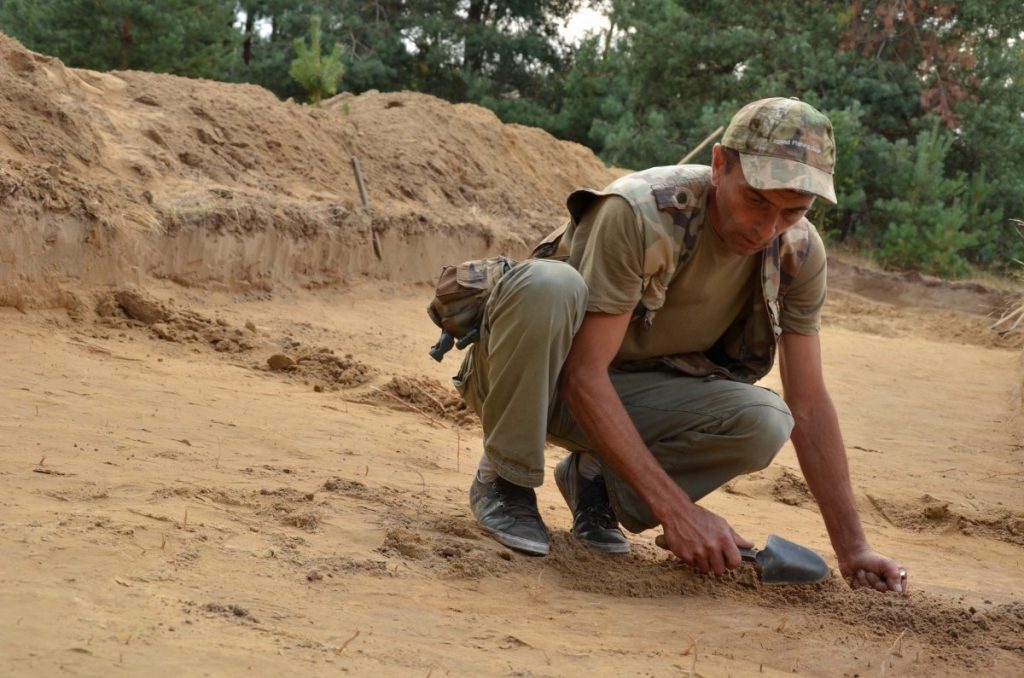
x=113, y=177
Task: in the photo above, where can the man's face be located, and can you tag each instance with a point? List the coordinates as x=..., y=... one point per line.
x=748, y=219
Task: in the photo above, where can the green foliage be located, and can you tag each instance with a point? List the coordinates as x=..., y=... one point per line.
x=928, y=212
x=318, y=74
x=194, y=38
x=883, y=70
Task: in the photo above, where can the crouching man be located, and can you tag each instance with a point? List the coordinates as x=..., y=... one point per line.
x=634, y=338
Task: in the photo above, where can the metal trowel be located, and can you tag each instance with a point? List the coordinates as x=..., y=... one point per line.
x=781, y=561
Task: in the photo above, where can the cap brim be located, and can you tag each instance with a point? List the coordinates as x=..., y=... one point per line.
x=769, y=173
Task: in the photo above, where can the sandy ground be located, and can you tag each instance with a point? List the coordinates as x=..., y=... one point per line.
x=170, y=505
x=169, y=508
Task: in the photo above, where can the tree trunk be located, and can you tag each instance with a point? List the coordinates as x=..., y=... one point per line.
x=126, y=42
x=250, y=26
x=475, y=18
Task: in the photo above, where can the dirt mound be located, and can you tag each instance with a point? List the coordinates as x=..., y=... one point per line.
x=320, y=368
x=134, y=309
x=928, y=514
x=427, y=396
x=108, y=177
x=416, y=148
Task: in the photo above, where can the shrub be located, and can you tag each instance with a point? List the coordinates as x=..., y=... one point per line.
x=926, y=216
x=319, y=75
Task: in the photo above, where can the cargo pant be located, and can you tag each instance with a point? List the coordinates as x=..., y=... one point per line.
x=702, y=432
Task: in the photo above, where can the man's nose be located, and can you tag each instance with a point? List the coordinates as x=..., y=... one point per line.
x=769, y=225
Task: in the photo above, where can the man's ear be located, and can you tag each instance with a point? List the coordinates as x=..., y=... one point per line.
x=717, y=164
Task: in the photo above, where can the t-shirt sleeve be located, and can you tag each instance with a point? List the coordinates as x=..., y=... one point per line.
x=801, y=307
x=607, y=250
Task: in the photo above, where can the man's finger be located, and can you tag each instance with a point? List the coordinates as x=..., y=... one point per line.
x=876, y=582
x=732, y=556
x=716, y=563
x=895, y=576
x=741, y=541
x=862, y=579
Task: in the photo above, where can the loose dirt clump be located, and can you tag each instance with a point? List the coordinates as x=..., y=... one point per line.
x=279, y=362
x=344, y=566
x=289, y=506
x=404, y=542
x=230, y=610
x=322, y=369
x=133, y=309
x=352, y=488
x=929, y=514
x=451, y=555
x=791, y=489
x=427, y=396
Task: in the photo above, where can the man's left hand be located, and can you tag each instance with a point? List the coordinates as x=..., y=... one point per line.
x=871, y=569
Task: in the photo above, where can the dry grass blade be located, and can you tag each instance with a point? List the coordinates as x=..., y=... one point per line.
x=342, y=647
x=410, y=406
x=897, y=646
x=421, y=390
x=1016, y=315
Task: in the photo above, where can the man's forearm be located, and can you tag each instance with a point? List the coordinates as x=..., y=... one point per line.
x=600, y=413
x=822, y=454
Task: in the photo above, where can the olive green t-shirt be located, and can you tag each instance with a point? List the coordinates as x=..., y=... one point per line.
x=704, y=298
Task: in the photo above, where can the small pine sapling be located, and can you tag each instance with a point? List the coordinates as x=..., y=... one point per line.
x=319, y=75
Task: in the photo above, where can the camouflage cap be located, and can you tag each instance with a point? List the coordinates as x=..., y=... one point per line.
x=784, y=143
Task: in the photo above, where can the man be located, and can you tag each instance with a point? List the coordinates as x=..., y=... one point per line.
x=639, y=357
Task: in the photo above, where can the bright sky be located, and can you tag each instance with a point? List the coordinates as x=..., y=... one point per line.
x=582, y=22
x=579, y=24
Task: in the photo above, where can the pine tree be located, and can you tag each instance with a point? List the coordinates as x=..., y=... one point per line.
x=318, y=74
x=195, y=38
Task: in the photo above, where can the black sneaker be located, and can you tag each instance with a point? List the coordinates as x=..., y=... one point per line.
x=509, y=513
x=593, y=519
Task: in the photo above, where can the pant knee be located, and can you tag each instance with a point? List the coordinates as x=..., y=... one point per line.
x=553, y=281
x=541, y=285
x=765, y=426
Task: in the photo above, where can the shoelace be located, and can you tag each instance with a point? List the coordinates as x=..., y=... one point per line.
x=517, y=500
x=595, y=505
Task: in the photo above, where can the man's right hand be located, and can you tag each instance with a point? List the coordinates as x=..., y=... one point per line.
x=704, y=540
x=694, y=534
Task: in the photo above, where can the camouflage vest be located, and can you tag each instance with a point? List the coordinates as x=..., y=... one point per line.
x=670, y=203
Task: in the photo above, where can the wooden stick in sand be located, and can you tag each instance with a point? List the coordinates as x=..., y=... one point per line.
x=359, y=182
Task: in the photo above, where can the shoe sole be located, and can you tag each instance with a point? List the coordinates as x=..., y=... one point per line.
x=615, y=549
x=530, y=548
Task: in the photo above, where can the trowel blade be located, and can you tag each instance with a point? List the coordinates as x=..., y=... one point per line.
x=784, y=562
